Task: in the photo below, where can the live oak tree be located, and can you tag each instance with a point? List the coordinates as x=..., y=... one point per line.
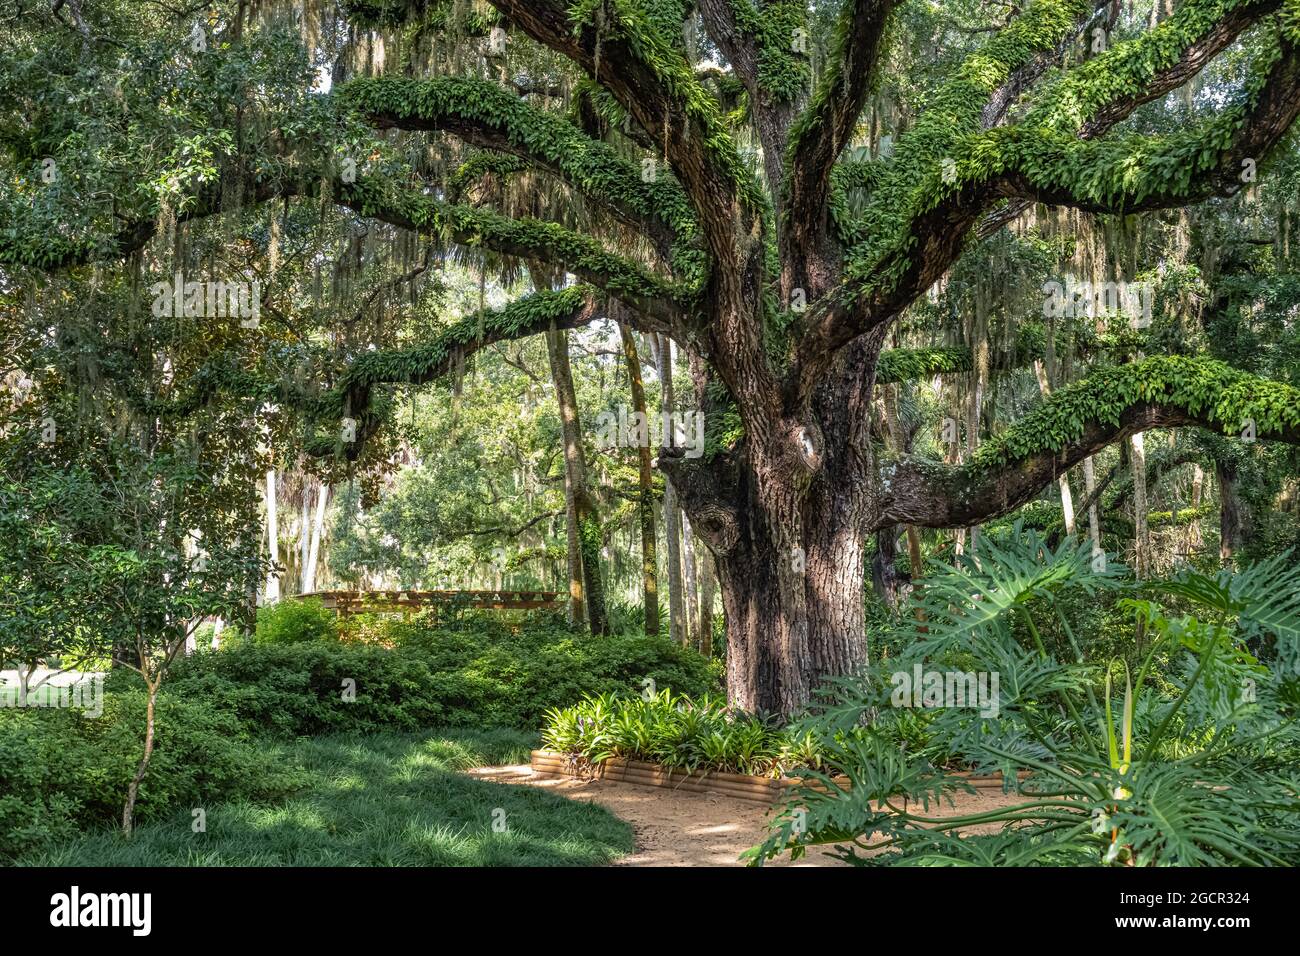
x=780, y=283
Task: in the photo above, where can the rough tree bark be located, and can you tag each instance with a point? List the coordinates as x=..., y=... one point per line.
x=708, y=592
x=1233, y=514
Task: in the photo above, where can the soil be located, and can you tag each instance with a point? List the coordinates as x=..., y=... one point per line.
x=679, y=828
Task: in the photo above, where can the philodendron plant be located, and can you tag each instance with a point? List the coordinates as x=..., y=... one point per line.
x=1190, y=762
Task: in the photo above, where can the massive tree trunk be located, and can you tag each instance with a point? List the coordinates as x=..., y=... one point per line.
x=792, y=588
x=791, y=547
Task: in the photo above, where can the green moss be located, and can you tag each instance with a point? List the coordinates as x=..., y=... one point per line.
x=783, y=70
x=1127, y=67
x=591, y=166
x=481, y=165
x=1202, y=387
x=379, y=196
x=911, y=184
x=432, y=14
x=846, y=177
x=526, y=315
x=1113, y=173
x=902, y=365
x=668, y=63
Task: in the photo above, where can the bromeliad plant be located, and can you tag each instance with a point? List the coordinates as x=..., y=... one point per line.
x=676, y=732
x=1191, y=762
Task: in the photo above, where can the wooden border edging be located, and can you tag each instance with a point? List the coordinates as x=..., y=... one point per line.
x=765, y=790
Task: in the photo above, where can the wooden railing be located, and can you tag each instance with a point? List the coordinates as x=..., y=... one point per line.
x=506, y=599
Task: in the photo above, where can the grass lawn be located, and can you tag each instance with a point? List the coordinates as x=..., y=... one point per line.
x=377, y=800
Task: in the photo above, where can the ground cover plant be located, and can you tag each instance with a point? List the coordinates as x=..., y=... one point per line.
x=228, y=720
x=430, y=676
x=675, y=731
x=62, y=771
x=342, y=814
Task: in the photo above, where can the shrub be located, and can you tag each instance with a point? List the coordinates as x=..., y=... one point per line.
x=61, y=771
x=305, y=689
x=432, y=677
x=295, y=621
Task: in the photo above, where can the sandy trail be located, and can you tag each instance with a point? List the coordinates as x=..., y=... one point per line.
x=678, y=828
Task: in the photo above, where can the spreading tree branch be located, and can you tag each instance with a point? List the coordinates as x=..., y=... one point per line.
x=823, y=130
x=1136, y=173
x=352, y=396
x=950, y=167
x=619, y=47
x=1078, y=421
x=486, y=115
x=763, y=49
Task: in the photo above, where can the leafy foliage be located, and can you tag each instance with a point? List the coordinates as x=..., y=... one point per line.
x=1187, y=764
x=675, y=731
x=430, y=677
x=343, y=814
x=62, y=771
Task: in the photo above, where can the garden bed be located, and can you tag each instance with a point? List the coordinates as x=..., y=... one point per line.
x=765, y=790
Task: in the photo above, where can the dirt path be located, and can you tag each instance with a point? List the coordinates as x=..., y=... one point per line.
x=677, y=828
